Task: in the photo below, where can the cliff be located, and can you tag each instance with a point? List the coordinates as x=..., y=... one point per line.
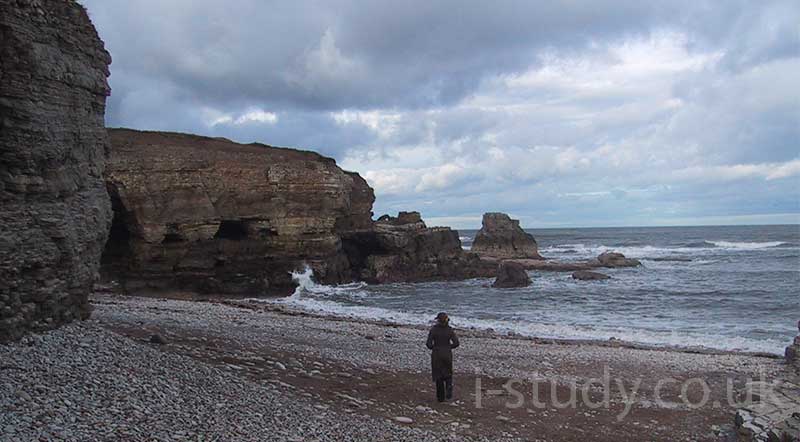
x=211, y=215
x=54, y=209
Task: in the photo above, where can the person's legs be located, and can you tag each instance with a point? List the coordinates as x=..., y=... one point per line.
x=440, y=390
x=448, y=383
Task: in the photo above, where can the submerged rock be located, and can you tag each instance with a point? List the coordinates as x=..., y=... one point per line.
x=585, y=275
x=501, y=237
x=613, y=259
x=670, y=259
x=511, y=274
x=54, y=209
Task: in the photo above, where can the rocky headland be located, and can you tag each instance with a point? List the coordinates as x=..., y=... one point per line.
x=404, y=249
x=54, y=209
x=213, y=216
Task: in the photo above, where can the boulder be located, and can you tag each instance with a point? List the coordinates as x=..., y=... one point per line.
x=511, y=274
x=613, y=259
x=54, y=209
x=793, y=351
x=501, y=237
x=210, y=215
x=585, y=275
x=157, y=339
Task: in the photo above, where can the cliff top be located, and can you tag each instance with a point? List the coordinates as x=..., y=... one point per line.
x=124, y=138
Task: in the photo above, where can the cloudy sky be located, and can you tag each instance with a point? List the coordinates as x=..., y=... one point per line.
x=561, y=113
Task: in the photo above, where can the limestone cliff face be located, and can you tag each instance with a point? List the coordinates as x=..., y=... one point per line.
x=54, y=209
x=501, y=237
x=215, y=216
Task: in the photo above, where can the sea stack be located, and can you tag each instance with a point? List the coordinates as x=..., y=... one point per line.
x=501, y=237
x=54, y=209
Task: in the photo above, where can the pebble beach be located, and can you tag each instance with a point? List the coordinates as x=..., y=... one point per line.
x=221, y=370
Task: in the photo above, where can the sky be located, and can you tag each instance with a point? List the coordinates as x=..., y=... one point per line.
x=560, y=113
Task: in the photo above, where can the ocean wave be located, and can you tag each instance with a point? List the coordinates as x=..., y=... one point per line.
x=697, y=245
x=306, y=285
x=747, y=245
x=551, y=331
x=336, y=301
x=644, y=251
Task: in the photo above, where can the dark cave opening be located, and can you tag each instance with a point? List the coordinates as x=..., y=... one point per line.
x=117, y=250
x=231, y=229
x=171, y=238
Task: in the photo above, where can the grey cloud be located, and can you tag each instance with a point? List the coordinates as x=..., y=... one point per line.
x=330, y=55
x=435, y=76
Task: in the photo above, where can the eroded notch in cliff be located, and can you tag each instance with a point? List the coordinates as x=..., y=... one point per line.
x=117, y=250
x=172, y=238
x=231, y=229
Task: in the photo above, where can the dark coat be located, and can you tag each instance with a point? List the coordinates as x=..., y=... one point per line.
x=442, y=339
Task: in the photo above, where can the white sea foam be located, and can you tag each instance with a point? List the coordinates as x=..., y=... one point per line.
x=306, y=285
x=746, y=245
x=583, y=250
x=314, y=298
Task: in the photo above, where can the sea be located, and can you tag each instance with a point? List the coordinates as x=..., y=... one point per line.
x=721, y=287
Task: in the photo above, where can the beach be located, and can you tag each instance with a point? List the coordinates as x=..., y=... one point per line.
x=241, y=370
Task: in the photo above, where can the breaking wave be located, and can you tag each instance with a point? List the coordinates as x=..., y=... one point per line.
x=747, y=245
x=355, y=301
x=643, y=251
x=306, y=286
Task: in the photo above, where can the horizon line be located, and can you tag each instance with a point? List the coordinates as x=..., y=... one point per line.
x=652, y=226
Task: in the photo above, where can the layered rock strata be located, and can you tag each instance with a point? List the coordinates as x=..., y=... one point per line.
x=773, y=414
x=54, y=209
x=404, y=249
x=501, y=237
x=214, y=216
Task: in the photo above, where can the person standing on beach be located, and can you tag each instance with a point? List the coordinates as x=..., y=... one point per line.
x=441, y=341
